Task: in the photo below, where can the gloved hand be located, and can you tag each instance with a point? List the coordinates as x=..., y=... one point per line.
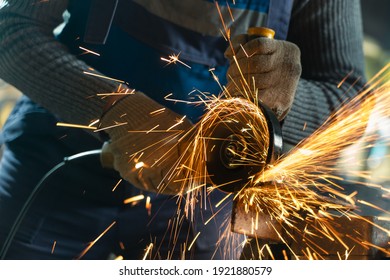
x=271, y=66
x=146, y=143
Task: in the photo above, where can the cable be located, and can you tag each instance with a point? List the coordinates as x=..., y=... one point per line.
x=34, y=194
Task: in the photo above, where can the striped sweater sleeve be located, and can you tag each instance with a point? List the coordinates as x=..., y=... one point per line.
x=37, y=64
x=329, y=35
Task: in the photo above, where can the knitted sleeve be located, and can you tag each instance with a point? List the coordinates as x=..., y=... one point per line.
x=329, y=35
x=37, y=64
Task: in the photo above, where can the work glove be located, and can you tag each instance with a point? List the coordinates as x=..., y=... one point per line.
x=147, y=143
x=272, y=67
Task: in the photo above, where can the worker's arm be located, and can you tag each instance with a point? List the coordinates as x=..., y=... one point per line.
x=32, y=60
x=42, y=68
x=329, y=35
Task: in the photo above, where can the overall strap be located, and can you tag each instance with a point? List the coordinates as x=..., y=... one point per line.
x=165, y=30
x=279, y=14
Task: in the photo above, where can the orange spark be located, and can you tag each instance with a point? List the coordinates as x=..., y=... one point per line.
x=173, y=59
x=103, y=77
x=159, y=111
x=76, y=125
x=90, y=245
x=117, y=184
x=193, y=241
x=53, y=247
x=111, y=126
x=344, y=79
x=133, y=199
x=148, y=205
x=148, y=250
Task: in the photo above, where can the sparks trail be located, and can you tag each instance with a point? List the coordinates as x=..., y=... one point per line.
x=295, y=210
x=103, y=77
x=300, y=196
x=76, y=125
x=314, y=158
x=307, y=187
x=148, y=251
x=308, y=173
x=92, y=243
x=289, y=191
x=236, y=112
x=293, y=203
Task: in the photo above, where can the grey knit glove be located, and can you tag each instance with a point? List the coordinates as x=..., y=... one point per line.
x=271, y=66
x=146, y=143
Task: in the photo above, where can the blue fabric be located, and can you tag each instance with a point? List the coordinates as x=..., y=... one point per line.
x=125, y=58
x=244, y=4
x=200, y=43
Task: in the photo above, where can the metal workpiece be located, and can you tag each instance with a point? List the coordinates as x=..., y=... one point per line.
x=358, y=240
x=253, y=221
x=310, y=237
x=255, y=224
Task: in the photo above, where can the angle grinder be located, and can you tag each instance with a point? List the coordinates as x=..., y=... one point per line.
x=231, y=143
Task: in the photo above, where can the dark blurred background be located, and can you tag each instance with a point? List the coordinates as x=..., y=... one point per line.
x=376, y=26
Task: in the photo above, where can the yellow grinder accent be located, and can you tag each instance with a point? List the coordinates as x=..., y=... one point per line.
x=261, y=32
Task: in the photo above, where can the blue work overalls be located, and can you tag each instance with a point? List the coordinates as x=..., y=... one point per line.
x=77, y=203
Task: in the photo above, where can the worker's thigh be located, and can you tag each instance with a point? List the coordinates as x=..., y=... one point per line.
x=75, y=206
x=71, y=206
x=176, y=230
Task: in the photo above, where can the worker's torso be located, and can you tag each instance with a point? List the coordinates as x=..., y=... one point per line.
x=128, y=56
x=143, y=32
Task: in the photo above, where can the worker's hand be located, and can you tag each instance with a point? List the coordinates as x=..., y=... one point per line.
x=147, y=142
x=271, y=66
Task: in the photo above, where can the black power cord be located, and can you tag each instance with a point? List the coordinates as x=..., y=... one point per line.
x=34, y=194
